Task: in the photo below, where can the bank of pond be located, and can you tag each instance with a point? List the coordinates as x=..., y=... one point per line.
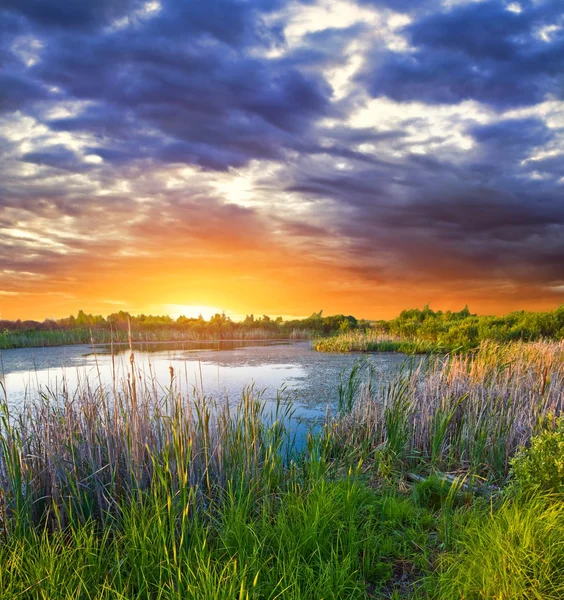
x=447, y=481
x=414, y=331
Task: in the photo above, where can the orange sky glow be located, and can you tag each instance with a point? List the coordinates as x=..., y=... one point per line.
x=280, y=157
x=241, y=285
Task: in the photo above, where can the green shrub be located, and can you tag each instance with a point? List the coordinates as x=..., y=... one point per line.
x=541, y=466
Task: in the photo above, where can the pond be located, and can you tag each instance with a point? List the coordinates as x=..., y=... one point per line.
x=221, y=370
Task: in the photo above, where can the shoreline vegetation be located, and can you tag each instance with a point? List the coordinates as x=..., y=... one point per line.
x=425, y=331
x=374, y=341
x=445, y=483
x=414, y=331
x=122, y=328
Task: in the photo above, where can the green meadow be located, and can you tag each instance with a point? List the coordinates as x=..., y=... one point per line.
x=446, y=482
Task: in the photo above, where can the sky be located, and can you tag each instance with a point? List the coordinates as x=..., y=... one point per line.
x=280, y=156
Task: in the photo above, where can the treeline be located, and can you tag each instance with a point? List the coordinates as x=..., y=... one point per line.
x=440, y=329
x=86, y=328
x=466, y=329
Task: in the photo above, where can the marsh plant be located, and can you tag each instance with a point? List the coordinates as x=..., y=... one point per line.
x=134, y=490
x=466, y=413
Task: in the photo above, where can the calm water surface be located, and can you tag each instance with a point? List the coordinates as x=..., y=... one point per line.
x=221, y=370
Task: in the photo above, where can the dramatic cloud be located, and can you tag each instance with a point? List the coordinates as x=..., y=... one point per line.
x=281, y=155
x=497, y=53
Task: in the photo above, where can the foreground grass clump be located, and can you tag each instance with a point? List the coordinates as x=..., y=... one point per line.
x=135, y=491
x=513, y=553
x=330, y=540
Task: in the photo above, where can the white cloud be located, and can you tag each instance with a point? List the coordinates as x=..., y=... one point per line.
x=28, y=49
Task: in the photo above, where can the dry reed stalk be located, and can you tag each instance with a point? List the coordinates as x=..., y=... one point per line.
x=476, y=410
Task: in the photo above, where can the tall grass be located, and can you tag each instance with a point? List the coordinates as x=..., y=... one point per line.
x=139, y=492
x=76, y=458
x=376, y=341
x=514, y=553
x=134, y=490
x=85, y=335
x=359, y=380
x=460, y=412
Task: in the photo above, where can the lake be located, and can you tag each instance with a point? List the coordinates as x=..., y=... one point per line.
x=221, y=370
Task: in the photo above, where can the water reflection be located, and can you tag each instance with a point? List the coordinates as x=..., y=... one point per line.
x=219, y=370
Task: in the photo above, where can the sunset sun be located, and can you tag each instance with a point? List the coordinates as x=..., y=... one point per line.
x=191, y=311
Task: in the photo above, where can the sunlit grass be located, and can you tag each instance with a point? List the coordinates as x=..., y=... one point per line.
x=459, y=412
x=425, y=331
x=374, y=341
x=132, y=490
x=515, y=552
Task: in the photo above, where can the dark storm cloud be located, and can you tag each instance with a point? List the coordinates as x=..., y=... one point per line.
x=216, y=85
x=17, y=89
x=487, y=30
x=324, y=48
x=503, y=147
x=552, y=166
x=475, y=51
x=61, y=14
x=216, y=106
x=513, y=135
x=413, y=222
x=425, y=216
x=229, y=21
x=10, y=28
x=185, y=72
x=17, y=92
x=58, y=157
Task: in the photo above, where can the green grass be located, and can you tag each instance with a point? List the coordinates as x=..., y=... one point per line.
x=85, y=335
x=323, y=539
x=512, y=552
x=331, y=539
x=373, y=341
x=124, y=493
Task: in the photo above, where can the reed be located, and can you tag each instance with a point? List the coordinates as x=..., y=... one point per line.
x=73, y=458
x=376, y=341
x=135, y=490
x=85, y=335
x=459, y=412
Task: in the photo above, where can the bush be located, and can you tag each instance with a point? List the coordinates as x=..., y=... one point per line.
x=541, y=466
